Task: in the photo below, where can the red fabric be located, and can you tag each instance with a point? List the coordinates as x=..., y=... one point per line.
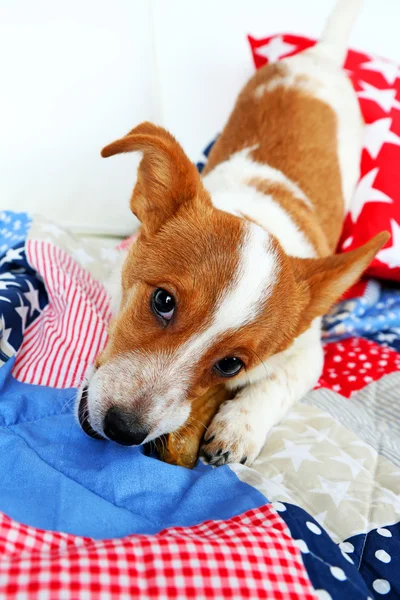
x=376, y=205
x=352, y=364
x=59, y=346
x=250, y=556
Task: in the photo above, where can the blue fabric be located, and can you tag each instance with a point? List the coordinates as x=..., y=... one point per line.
x=373, y=316
x=55, y=477
x=13, y=229
x=378, y=560
x=202, y=162
x=22, y=296
x=329, y=568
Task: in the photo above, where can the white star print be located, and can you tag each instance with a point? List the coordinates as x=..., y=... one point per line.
x=297, y=453
x=52, y=228
x=317, y=435
x=365, y=193
x=387, y=497
x=5, y=346
x=295, y=416
x=22, y=311
x=33, y=298
x=4, y=285
x=82, y=257
x=386, y=99
x=377, y=134
x=337, y=490
x=389, y=70
x=391, y=256
x=355, y=465
x=12, y=254
x=320, y=517
x=367, y=525
x=275, y=49
x=275, y=486
x=365, y=446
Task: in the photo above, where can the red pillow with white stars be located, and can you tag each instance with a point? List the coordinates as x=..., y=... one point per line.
x=376, y=203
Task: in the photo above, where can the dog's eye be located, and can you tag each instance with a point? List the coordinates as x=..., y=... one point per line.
x=229, y=366
x=163, y=304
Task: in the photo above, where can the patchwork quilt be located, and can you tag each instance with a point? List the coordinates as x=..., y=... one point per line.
x=316, y=517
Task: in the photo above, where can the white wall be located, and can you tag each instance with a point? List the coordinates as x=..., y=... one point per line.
x=76, y=74
x=209, y=57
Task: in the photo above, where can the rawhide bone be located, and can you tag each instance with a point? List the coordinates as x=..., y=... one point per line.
x=182, y=447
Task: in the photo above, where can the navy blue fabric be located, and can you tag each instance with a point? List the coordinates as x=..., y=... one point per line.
x=326, y=564
x=378, y=559
x=22, y=297
x=202, y=162
x=22, y=294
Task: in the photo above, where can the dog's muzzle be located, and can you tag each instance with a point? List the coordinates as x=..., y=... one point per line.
x=83, y=416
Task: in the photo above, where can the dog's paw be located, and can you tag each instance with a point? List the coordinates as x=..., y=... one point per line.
x=233, y=437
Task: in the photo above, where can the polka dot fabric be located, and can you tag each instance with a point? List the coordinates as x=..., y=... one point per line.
x=352, y=364
x=378, y=560
x=331, y=570
x=251, y=556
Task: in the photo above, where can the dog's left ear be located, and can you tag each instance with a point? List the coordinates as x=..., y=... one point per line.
x=326, y=279
x=166, y=177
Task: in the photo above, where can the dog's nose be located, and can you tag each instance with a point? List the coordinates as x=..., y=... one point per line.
x=119, y=427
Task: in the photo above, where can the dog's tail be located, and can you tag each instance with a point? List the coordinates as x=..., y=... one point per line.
x=334, y=39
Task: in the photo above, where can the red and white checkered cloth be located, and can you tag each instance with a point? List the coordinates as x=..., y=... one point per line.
x=250, y=556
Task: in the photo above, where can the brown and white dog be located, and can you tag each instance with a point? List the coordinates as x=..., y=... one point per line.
x=231, y=272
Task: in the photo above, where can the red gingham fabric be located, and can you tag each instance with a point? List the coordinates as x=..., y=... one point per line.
x=250, y=556
x=376, y=202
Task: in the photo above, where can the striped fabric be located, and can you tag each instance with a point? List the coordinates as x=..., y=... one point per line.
x=59, y=346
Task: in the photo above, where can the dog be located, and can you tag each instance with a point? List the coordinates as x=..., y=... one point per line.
x=232, y=271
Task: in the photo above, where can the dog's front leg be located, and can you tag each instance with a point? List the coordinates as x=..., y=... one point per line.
x=240, y=428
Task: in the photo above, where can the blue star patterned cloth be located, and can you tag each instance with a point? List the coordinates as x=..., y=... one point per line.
x=22, y=294
x=375, y=316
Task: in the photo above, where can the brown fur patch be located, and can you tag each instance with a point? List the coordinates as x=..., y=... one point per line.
x=294, y=133
x=193, y=250
x=166, y=180
x=306, y=219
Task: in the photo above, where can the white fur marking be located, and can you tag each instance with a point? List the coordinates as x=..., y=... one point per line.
x=242, y=425
x=241, y=167
x=254, y=282
x=156, y=385
x=229, y=190
x=290, y=80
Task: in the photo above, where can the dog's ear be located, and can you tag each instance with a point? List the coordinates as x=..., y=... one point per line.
x=326, y=279
x=166, y=177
